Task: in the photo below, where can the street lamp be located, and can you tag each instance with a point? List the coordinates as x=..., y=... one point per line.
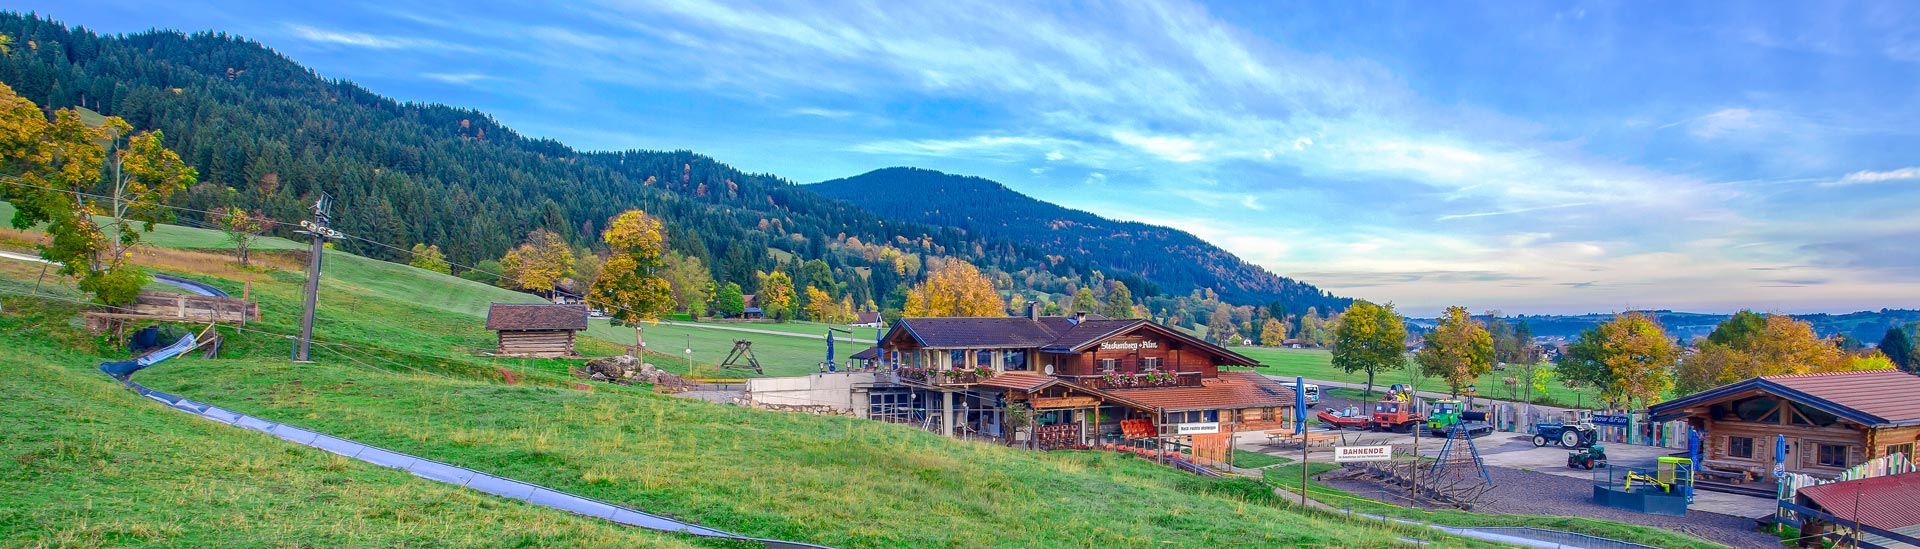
x=1471, y=392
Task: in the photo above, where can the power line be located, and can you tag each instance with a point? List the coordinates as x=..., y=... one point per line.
x=105, y=197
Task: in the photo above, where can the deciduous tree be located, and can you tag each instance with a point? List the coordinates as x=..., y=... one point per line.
x=1273, y=333
x=1458, y=350
x=776, y=295
x=955, y=288
x=691, y=282
x=1084, y=302
x=1630, y=359
x=1371, y=338
x=425, y=256
x=539, y=263
x=630, y=288
x=729, y=300
x=53, y=164
x=1119, y=302
x=822, y=308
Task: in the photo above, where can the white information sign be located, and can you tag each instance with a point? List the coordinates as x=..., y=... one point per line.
x=1196, y=428
x=1343, y=454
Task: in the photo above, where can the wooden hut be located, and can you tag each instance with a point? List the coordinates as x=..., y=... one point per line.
x=536, y=330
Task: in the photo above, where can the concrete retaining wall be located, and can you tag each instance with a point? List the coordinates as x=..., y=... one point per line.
x=823, y=393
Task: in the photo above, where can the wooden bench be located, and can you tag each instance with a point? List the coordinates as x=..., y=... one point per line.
x=1735, y=472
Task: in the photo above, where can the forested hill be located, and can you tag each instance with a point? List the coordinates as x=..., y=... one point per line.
x=266, y=133
x=1175, y=260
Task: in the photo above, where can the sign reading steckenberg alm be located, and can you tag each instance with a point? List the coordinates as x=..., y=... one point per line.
x=1129, y=345
x=1343, y=454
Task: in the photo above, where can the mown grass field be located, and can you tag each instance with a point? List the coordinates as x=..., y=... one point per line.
x=395, y=367
x=1288, y=476
x=1318, y=364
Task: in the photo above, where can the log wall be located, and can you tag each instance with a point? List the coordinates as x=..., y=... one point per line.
x=536, y=343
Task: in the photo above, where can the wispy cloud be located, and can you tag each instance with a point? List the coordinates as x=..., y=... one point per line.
x=1509, y=212
x=819, y=112
x=1868, y=176
x=463, y=79
x=370, y=41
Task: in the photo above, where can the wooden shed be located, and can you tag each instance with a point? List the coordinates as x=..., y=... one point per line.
x=536, y=330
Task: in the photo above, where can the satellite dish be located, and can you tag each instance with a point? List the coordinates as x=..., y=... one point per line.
x=1049, y=369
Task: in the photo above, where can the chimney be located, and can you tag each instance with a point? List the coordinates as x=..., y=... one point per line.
x=1079, y=317
x=1033, y=310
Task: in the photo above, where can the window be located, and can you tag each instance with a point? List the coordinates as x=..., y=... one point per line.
x=1108, y=365
x=1152, y=363
x=1016, y=360
x=983, y=358
x=956, y=359
x=1740, y=447
x=1832, y=455
x=1903, y=449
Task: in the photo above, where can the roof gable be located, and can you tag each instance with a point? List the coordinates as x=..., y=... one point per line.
x=536, y=316
x=1869, y=397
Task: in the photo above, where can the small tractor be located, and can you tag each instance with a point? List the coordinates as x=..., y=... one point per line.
x=1446, y=414
x=1577, y=435
x=1587, y=458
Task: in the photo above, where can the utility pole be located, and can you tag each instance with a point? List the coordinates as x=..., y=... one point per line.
x=317, y=227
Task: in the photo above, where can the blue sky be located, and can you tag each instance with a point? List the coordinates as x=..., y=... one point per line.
x=1532, y=157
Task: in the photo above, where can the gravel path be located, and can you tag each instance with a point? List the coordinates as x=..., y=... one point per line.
x=1529, y=493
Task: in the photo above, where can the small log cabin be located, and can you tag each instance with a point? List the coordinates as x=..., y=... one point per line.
x=1081, y=376
x=536, y=330
x=1831, y=421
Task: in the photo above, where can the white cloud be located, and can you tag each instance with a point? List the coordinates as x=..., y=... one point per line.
x=462, y=79
x=1301, y=144
x=1176, y=149
x=983, y=145
x=1867, y=176
x=1096, y=178
x=370, y=41
x=822, y=113
x=1727, y=121
x=1252, y=203
x=1053, y=156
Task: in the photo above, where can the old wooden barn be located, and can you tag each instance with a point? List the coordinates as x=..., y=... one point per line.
x=537, y=329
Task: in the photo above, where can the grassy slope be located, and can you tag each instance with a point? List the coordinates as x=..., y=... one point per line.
x=1289, y=477
x=840, y=481
x=88, y=464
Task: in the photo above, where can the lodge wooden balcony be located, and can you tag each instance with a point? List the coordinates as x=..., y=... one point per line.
x=936, y=377
x=1138, y=380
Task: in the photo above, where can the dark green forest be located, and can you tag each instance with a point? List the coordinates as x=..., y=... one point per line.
x=1173, y=261
x=267, y=133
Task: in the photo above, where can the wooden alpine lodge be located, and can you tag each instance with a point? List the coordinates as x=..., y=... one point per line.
x=1828, y=422
x=1085, y=379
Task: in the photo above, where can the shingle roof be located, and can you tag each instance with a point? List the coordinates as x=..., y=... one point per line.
x=1089, y=331
x=979, y=332
x=866, y=317
x=1231, y=390
x=536, y=316
x=1873, y=397
x=1887, y=502
x=1020, y=381
x=871, y=353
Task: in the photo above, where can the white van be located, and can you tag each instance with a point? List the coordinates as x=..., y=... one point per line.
x=1312, y=391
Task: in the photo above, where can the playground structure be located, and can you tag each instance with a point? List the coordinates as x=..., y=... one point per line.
x=1457, y=477
x=743, y=349
x=1667, y=490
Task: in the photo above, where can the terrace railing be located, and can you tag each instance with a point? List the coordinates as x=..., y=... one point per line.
x=1138, y=381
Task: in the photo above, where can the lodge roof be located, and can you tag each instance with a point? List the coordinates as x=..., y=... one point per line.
x=536, y=316
x=866, y=317
x=1887, y=502
x=1049, y=334
x=871, y=353
x=1236, y=389
x=1878, y=398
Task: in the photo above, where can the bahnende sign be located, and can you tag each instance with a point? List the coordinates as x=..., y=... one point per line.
x=1342, y=454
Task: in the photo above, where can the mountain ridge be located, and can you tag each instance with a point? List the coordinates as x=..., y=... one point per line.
x=1177, y=260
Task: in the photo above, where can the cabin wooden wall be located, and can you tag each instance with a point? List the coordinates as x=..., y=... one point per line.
x=536, y=343
x=1173, y=355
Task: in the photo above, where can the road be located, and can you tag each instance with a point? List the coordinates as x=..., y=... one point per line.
x=23, y=257
x=844, y=338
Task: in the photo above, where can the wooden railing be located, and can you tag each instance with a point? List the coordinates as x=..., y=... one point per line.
x=936, y=377
x=1139, y=381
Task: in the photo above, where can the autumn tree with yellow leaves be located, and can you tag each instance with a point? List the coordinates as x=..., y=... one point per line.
x=630, y=288
x=955, y=288
x=540, y=262
x=49, y=166
x=1458, y=350
x=776, y=295
x=1749, y=345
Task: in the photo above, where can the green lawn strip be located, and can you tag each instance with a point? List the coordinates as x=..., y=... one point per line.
x=87, y=463
x=1256, y=460
x=1288, y=476
x=1318, y=364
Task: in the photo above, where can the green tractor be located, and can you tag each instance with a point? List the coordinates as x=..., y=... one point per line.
x=1446, y=414
x=1588, y=457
